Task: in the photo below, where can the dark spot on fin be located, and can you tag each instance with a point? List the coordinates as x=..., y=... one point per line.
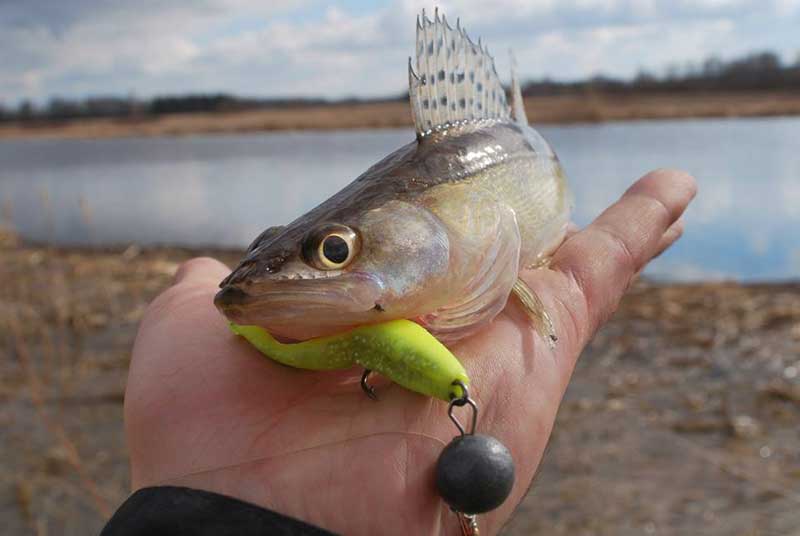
x=437, y=105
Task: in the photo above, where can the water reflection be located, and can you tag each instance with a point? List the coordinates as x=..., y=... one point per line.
x=224, y=190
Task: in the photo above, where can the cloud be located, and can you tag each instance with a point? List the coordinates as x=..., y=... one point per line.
x=794, y=262
x=790, y=195
x=685, y=271
x=78, y=47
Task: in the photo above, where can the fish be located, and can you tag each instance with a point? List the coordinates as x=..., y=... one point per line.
x=436, y=232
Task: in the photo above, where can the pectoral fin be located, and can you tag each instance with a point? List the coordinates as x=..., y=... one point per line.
x=486, y=264
x=535, y=309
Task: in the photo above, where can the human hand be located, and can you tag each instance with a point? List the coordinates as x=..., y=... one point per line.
x=205, y=410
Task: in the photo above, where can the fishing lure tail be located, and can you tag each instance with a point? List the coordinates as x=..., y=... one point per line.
x=401, y=350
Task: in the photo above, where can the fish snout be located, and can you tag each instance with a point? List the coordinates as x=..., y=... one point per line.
x=230, y=296
x=300, y=309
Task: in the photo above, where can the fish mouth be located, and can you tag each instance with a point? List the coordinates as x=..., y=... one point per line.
x=302, y=309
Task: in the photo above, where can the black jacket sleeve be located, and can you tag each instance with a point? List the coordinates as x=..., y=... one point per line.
x=182, y=512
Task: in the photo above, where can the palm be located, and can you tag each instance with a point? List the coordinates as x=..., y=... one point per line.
x=205, y=410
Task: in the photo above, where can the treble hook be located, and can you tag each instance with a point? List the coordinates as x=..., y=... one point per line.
x=366, y=387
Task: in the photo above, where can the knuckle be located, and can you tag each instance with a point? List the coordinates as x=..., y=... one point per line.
x=172, y=300
x=618, y=249
x=195, y=265
x=674, y=189
x=572, y=311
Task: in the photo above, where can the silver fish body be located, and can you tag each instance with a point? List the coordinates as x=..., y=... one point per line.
x=435, y=232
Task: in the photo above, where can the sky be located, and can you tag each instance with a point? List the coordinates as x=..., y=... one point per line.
x=310, y=48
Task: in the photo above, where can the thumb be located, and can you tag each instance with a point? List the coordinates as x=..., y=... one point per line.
x=201, y=270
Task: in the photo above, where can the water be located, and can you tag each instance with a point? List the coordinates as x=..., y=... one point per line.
x=223, y=190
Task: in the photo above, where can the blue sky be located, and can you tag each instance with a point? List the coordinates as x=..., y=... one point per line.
x=75, y=48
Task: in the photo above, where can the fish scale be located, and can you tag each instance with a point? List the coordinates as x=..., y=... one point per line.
x=438, y=229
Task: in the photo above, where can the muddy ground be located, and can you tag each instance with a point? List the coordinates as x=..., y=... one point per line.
x=682, y=418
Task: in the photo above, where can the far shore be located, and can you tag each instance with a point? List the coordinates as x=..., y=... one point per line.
x=556, y=109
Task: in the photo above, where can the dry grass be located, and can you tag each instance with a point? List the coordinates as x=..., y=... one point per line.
x=650, y=433
x=590, y=107
x=67, y=322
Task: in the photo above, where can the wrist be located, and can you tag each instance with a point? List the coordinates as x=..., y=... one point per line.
x=180, y=510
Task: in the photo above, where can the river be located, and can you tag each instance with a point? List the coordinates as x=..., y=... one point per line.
x=222, y=190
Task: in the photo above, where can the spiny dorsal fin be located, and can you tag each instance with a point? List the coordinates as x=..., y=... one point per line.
x=455, y=79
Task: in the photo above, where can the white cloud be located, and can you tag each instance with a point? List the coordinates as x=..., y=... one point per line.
x=794, y=262
x=789, y=190
x=717, y=198
x=685, y=271
x=759, y=240
x=288, y=48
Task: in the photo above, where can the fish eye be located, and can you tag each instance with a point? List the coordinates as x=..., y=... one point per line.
x=330, y=246
x=334, y=249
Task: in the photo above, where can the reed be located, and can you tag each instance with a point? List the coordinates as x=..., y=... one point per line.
x=653, y=416
x=552, y=109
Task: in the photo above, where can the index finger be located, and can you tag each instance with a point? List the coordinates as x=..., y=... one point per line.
x=602, y=259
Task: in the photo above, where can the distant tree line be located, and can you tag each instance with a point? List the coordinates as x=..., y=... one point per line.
x=121, y=107
x=758, y=71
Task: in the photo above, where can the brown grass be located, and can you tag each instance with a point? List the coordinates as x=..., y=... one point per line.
x=573, y=108
x=652, y=417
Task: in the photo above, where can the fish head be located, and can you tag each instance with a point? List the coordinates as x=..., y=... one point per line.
x=329, y=274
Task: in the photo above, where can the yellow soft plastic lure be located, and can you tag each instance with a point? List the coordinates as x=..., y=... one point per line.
x=401, y=350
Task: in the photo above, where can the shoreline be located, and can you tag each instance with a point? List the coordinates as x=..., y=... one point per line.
x=11, y=240
x=545, y=110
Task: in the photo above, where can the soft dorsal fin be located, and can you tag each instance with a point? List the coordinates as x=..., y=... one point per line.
x=455, y=79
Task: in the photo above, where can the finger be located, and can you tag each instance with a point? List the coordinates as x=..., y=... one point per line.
x=671, y=236
x=602, y=259
x=201, y=269
x=572, y=230
x=202, y=274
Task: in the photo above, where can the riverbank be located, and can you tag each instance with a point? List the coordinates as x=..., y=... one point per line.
x=556, y=109
x=681, y=418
